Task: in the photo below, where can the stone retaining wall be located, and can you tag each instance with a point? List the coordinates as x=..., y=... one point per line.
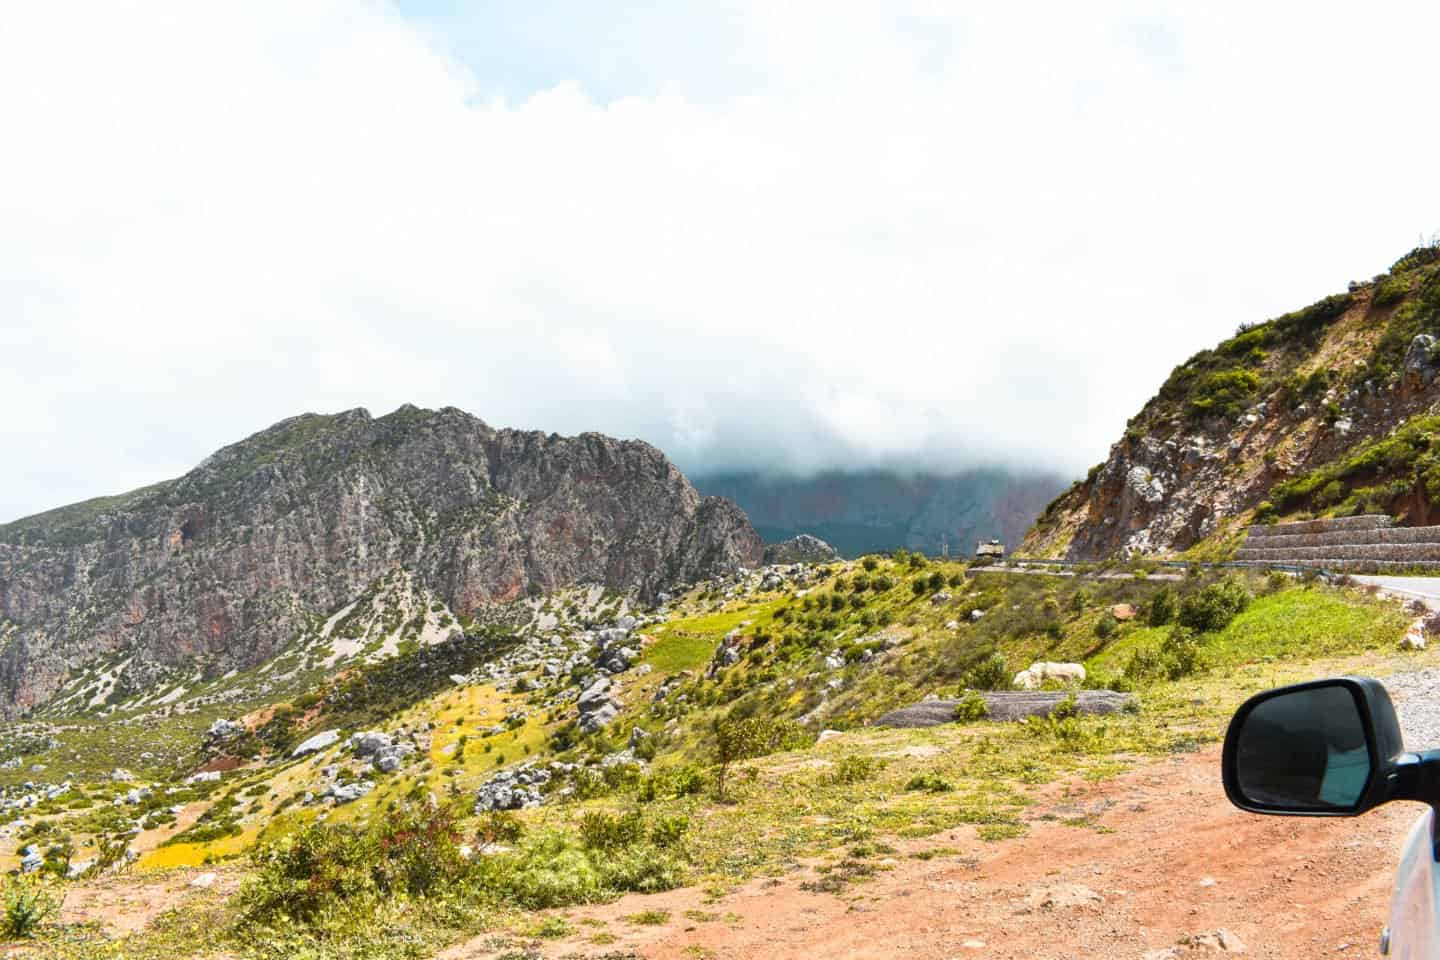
x=1347, y=544
x=1370, y=521
x=1343, y=537
x=1398, y=552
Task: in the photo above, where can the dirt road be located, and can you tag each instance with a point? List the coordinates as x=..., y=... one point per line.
x=1120, y=869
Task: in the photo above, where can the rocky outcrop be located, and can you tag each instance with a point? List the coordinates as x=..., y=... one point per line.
x=218, y=569
x=1010, y=705
x=1197, y=462
x=801, y=549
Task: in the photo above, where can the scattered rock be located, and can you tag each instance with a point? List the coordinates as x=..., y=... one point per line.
x=1214, y=941
x=1414, y=638
x=801, y=549
x=204, y=882
x=318, y=742
x=1040, y=671
x=347, y=793
x=1062, y=896
x=1123, y=612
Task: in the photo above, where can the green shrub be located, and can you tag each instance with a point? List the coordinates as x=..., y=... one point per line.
x=929, y=782
x=1391, y=290
x=855, y=769
x=990, y=674
x=1164, y=606
x=1215, y=606
x=28, y=904
x=324, y=873
x=641, y=870
x=681, y=781
x=1181, y=652
x=1224, y=393
x=548, y=871
x=972, y=707
x=1144, y=664
x=311, y=876
x=751, y=737
x=1106, y=626
x=606, y=832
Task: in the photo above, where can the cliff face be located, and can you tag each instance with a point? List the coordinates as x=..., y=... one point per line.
x=1327, y=411
x=219, y=568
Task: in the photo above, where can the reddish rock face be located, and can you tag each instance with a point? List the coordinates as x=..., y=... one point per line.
x=223, y=565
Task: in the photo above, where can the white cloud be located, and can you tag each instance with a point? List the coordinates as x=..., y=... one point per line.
x=933, y=236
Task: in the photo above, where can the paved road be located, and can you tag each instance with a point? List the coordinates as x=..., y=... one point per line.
x=1425, y=589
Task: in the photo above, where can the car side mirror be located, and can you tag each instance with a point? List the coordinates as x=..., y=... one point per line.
x=1330, y=748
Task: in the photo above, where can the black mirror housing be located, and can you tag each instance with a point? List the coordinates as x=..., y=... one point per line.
x=1314, y=783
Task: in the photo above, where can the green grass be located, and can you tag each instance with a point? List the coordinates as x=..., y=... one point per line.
x=1298, y=622
x=688, y=643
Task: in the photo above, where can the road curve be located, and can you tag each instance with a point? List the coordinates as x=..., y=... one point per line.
x=1424, y=589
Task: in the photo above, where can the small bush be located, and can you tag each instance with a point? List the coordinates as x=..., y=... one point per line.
x=28, y=904
x=1164, y=607
x=751, y=737
x=990, y=674
x=855, y=769
x=929, y=783
x=1106, y=626
x=325, y=872
x=972, y=707
x=1181, y=652
x=1215, y=606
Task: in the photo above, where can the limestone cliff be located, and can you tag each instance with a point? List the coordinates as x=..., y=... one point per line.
x=219, y=568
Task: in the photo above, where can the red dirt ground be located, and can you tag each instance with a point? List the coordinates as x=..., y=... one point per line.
x=1164, y=857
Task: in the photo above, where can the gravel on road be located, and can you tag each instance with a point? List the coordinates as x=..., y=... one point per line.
x=1417, y=701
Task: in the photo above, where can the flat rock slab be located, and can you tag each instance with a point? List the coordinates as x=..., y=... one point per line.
x=1008, y=705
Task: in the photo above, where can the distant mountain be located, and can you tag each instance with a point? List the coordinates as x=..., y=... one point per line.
x=1330, y=410
x=865, y=511
x=220, y=568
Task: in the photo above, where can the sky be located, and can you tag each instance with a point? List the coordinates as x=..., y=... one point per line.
x=781, y=236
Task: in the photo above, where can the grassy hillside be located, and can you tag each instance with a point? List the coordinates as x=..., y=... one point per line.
x=725, y=779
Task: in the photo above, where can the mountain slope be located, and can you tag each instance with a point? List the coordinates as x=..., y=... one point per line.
x=1290, y=418
x=861, y=512
x=220, y=568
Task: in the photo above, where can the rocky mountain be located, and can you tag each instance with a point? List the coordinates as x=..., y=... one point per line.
x=1326, y=411
x=219, y=569
x=866, y=511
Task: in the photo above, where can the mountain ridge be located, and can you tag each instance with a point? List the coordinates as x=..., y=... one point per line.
x=225, y=563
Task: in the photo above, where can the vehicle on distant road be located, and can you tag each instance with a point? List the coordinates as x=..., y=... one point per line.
x=990, y=551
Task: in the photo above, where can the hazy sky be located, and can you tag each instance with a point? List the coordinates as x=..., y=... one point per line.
x=768, y=234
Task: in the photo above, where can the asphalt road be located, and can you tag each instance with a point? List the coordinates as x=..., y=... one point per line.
x=1425, y=589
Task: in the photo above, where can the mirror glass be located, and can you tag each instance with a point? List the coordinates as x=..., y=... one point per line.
x=1304, y=750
